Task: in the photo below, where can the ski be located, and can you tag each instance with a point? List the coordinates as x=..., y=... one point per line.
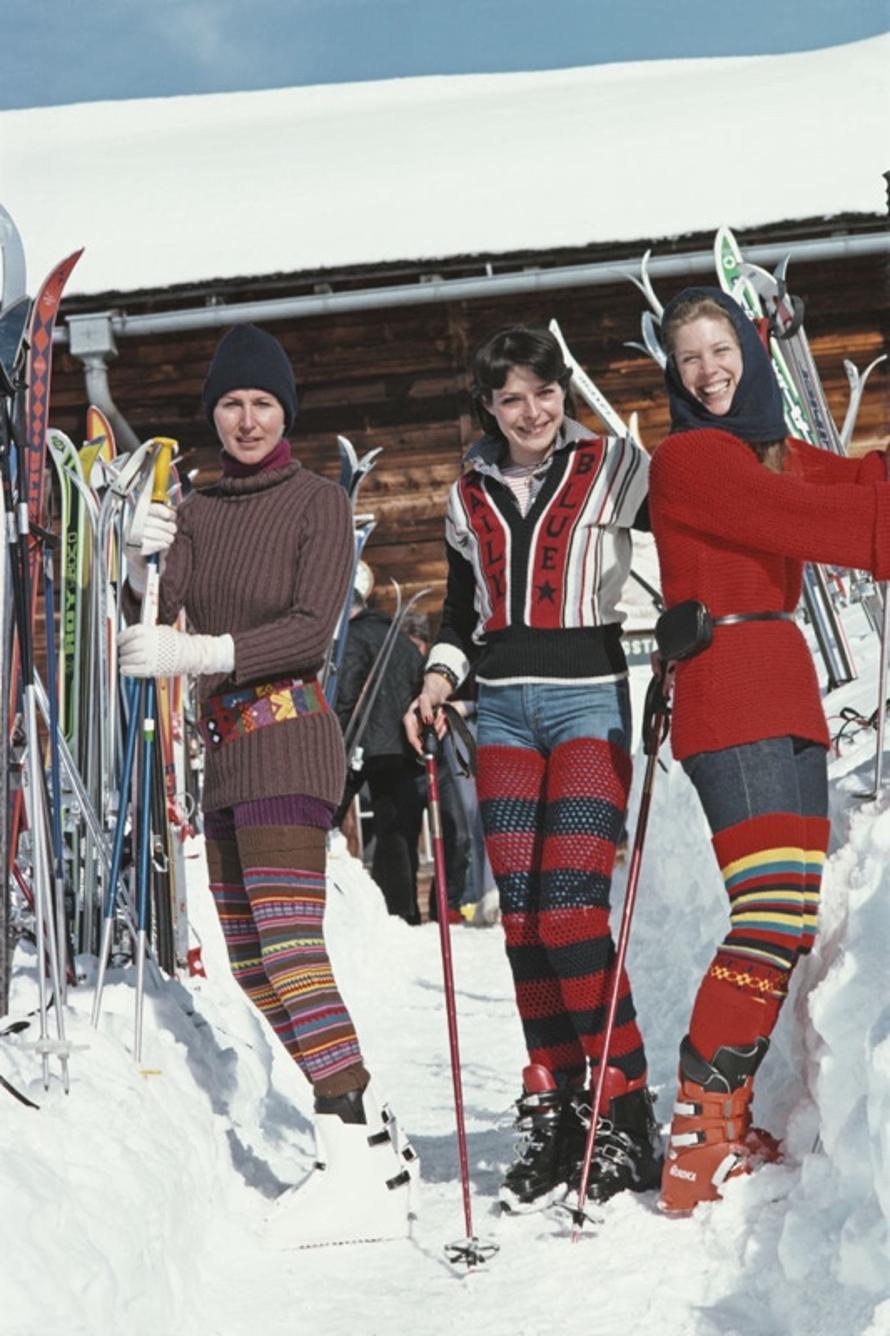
x=361, y=712
x=826, y=624
x=856, y=380
x=13, y=255
x=589, y=392
x=353, y=472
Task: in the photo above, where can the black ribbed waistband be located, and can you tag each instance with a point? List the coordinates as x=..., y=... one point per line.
x=523, y=651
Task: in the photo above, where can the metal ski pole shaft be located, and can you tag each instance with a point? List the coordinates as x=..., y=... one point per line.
x=881, y=719
x=46, y=941
x=65, y=951
x=370, y=686
x=882, y=688
x=469, y=1250
x=654, y=736
x=163, y=463
x=134, y=695
x=361, y=714
x=143, y=871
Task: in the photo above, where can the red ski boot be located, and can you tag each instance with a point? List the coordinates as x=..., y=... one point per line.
x=711, y=1138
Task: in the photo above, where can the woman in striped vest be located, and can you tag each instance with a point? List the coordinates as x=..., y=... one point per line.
x=539, y=546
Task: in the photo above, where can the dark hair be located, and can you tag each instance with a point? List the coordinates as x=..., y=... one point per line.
x=518, y=345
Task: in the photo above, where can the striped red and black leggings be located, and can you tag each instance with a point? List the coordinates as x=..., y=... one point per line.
x=553, y=812
x=267, y=874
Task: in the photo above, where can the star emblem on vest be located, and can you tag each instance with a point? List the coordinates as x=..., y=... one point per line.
x=546, y=592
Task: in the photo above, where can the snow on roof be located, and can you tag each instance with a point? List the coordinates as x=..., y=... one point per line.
x=184, y=189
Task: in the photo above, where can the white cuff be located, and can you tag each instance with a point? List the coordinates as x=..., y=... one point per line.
x=450, y=657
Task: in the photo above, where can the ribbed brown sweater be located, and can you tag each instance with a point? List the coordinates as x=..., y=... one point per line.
x=266, y=559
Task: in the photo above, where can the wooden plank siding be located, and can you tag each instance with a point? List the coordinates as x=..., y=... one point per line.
x=397, y=378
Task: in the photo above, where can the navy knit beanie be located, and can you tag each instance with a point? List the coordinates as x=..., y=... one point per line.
x=247, y=358
x=756, y=414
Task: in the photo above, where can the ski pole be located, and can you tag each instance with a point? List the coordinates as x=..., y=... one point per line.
x=63, y=907
x=361, y=712
x=165, y=451
x=654, y=733
x=19, y=533
x=881, y=714
x=470, y=1249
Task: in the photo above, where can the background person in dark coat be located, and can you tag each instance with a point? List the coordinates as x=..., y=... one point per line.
x=388, y=765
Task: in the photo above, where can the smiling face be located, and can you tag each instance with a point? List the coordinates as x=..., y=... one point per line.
x=708, y=359
x=249, y=423
x=529, y=412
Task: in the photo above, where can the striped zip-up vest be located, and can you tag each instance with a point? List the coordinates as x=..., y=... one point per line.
x=559, y=568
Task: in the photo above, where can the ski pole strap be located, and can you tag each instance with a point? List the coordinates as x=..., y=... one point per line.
x=656, y=711
x=457, y=728
x=233, y=714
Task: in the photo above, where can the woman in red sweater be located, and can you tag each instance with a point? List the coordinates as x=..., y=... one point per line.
x=736, y=510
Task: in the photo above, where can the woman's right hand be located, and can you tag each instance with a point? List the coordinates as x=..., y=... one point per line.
x=424, y=709
x=157, y=535
x=158, y=531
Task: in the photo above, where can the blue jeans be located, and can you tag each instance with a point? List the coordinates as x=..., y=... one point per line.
x=543, y=715
x=785, y=774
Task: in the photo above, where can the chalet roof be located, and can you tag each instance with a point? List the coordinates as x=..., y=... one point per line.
x=188, y=189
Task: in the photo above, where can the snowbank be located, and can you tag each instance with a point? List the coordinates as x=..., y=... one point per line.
x=177, y=190
x=136, y=1203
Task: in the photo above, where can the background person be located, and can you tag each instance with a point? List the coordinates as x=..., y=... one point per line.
x=388, y=764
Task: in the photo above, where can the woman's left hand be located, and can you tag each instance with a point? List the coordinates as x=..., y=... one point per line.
x=162, y=651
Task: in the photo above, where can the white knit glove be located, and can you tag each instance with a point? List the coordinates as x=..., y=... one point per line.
x=158, y=532
x=162, y=651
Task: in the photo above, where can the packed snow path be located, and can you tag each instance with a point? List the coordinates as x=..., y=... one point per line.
x=137, y=1202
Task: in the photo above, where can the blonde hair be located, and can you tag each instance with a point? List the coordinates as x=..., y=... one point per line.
x=772, y=454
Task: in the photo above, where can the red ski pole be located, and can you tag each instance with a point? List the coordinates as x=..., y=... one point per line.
x=470, y=1249
x=654, y=732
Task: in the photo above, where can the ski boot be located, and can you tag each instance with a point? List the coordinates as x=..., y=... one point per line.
x=359, y=1189
x=539, y=1175
x=627, y=1146
x=711, y=1138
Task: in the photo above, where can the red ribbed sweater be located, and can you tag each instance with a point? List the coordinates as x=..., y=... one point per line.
x=735, y=535
x=267, y=559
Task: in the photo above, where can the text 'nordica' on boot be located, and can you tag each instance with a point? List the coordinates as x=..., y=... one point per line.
x=711, y=1138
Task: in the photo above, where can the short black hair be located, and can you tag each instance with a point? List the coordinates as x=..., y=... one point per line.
x=517, y=345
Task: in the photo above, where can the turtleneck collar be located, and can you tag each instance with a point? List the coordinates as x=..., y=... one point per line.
x=275, y=459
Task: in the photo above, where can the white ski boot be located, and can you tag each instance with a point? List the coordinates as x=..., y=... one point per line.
x=360, y=1189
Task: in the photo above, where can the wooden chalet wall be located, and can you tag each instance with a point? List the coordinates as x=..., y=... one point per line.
x=397, y=378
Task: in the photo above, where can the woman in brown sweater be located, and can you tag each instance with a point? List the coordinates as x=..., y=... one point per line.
x=261, y=561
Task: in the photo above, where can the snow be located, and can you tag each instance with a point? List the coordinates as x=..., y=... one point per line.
x=186, y=189
x=136, y=1202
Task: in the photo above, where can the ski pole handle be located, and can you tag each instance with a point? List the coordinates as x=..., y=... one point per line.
x=166, y=448
x=429, y=739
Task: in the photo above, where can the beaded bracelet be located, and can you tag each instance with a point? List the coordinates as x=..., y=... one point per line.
x=444, y=671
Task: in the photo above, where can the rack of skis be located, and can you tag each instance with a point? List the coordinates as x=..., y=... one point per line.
x=101, y=777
